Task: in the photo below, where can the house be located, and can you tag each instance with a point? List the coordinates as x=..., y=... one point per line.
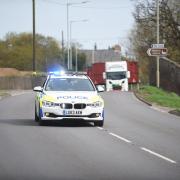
x=102, y=55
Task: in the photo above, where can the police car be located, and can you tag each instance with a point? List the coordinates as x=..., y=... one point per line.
x=69, y=96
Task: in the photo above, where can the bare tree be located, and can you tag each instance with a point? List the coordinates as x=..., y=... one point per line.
x=143, y=33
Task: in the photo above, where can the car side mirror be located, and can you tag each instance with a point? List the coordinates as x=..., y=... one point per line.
x=38, y=89
x=100, y=88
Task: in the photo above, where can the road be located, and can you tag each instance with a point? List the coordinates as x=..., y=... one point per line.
x=137, y=142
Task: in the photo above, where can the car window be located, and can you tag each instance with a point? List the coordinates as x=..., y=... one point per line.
x=69, y=84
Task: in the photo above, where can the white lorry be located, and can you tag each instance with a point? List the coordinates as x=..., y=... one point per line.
x=116, y=75
x=113, y=75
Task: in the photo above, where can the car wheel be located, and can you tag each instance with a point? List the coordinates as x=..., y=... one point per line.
x=41, y=123
x=36, y=116
x=99, y=123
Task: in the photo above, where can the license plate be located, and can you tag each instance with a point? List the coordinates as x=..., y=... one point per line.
x=72, y=112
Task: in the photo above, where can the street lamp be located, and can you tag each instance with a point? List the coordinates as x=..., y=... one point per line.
x=71, y=22
x=68, y=5
x=76, y=59
x=34, y=38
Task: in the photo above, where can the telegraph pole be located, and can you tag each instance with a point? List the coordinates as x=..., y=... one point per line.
x=34, y=39
x=68, y=62
x=62, y=41
x=157, y=50
x=157, y=58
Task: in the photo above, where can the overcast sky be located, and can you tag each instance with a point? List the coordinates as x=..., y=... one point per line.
x=109, y=21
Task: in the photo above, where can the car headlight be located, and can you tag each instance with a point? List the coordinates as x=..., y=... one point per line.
x=48, y=104
x=96, y=104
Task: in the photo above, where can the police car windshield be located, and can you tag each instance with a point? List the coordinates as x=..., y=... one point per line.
x=69, y=84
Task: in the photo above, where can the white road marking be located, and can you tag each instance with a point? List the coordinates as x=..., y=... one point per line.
x=158, y=155
x=142, y=148
x=121, y=138
x=100, y=128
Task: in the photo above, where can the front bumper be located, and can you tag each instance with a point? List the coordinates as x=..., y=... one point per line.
x=87, y=114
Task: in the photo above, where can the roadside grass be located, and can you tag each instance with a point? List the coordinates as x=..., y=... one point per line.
x=3, y=93
x=160, y=97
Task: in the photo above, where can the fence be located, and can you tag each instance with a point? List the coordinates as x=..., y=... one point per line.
x=169, y=75
x=169, y=78
x=21, y=82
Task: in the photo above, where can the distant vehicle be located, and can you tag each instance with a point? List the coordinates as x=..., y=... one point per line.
x=69, y=96
x=114, y=75
x=133, y=69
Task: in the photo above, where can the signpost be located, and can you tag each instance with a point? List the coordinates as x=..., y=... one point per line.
x=157, y=52
x=157, y=46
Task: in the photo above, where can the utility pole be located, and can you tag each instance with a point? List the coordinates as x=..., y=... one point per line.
x=70, y=48
x=93, y=56
x=34, y=39
x=76, y=58
x=157, y=58
x=68, y=63
x=62, y=41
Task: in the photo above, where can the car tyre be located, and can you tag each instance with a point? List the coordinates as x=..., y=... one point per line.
x=41, y=123
x=99, y=123
x=36, y=116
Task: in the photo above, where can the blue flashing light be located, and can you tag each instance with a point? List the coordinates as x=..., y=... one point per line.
x=57, y=73
x=62, y=72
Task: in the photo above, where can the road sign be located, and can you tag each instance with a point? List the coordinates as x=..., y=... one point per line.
x=158, y=46
x=157, y=51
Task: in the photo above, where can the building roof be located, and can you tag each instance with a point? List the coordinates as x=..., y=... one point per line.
x=93, y=56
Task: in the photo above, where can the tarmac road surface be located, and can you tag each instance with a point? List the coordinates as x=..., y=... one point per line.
x=136, y=142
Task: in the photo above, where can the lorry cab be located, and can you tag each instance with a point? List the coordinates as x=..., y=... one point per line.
x=116, y=76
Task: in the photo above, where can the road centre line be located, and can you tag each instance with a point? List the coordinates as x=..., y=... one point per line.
x=121, y=138
x=142, y=148
x=158, y=155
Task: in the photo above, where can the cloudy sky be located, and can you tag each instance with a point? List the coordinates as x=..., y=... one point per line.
x=109, y=21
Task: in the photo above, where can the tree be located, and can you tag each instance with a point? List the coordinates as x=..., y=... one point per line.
x=144, y=31
x=16, y=52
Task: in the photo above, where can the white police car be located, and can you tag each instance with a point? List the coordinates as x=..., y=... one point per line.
x=69, y=96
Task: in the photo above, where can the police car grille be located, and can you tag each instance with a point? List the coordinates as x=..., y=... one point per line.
x=66, y=106
x=79, y=106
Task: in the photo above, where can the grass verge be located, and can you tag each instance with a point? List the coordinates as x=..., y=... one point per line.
x=4, y=94
x=160, y=97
